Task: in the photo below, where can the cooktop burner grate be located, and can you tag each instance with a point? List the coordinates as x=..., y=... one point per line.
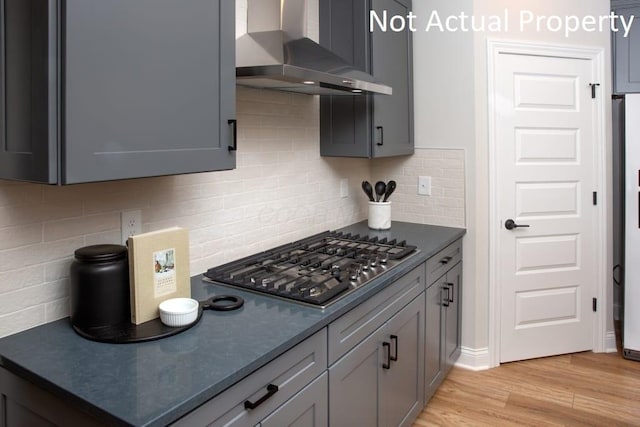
x=317, y=270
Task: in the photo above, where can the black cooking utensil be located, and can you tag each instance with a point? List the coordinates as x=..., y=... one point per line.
x=368, y=190
x=381, y=188
x=391, y=187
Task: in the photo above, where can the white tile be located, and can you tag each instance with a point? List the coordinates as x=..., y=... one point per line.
x=66, y=228
x=21, y=320
x=21, y=278
x=33, y=296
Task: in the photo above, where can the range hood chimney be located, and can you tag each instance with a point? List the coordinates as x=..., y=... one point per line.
x=276, y=54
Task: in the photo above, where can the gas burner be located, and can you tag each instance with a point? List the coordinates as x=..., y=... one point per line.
x=318, y=270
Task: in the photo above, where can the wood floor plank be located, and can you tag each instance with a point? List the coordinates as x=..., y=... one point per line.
x=583, y=389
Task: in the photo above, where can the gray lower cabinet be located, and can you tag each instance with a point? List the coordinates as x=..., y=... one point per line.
x=24, y=404
x=308, y=408
x=626, y=53
x=369, y=125
x=380, y=381
x=443, y=323
x=96, y=90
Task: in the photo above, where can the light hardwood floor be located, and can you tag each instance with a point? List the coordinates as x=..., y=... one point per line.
x=582, y=389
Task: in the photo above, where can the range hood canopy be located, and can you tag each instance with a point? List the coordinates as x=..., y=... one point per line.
x=276, y=54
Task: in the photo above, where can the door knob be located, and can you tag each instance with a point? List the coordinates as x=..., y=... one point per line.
x=511, y=224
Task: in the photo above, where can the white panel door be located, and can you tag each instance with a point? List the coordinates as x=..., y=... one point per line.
x=545, y=135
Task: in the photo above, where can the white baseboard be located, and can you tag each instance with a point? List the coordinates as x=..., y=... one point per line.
x=610, y=342
x=475, y=359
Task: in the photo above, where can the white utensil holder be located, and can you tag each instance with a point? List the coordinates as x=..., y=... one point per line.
x=379, y=215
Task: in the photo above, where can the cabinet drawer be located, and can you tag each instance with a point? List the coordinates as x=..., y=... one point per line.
x=290, y=372
x=309, y=408
x=441, y=262
x=356, y=325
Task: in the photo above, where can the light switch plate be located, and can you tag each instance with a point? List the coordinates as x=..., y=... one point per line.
x=344, y=188
x=424, y=185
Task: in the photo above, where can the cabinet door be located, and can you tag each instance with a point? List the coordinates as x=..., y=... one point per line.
x=354, y=384
x=308, y=408
x=369, y=125
x=433, y=345
x=28, y=78
x=626, y=55
x=391, y=63
x=452, y=316
x=403, y=383
x=147, y=88
x=345, y=121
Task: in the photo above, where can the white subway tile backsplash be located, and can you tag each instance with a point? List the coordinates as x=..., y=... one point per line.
x=22, y=235
x=73, y=227
x=446, y=204
x=33, y=296
x=20, y=194
x=57, y=270
x=27, y=256
x=21, y=278
x=56, y=309
x=21, y=320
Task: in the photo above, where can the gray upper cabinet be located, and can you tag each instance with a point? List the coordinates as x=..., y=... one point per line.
x=368, y=125
x=98, y=90
x=626, y=54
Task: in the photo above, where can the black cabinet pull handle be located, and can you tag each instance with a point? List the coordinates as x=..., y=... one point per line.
x=445, y=300
x=387, y=364
x=394, y=339
x=445, y=260
x=381, y=129
x=271, y=390
x=234, y=123
x=450, y=285
x=511, y=224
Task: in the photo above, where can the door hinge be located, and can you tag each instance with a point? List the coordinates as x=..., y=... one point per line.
x=595, y=198
x=595, y=304
x=593, y=89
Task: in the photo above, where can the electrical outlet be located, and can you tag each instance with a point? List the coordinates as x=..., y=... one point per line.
x=344, y=188
x=131, y=223
x=424, y=185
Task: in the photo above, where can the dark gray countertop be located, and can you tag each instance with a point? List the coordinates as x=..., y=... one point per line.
x=155, y=383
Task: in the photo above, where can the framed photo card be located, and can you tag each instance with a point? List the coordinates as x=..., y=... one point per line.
x=158, y=270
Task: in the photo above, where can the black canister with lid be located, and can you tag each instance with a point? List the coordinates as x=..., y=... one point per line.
x=99, y=286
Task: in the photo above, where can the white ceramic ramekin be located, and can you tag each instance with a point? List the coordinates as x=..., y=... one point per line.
x=178, y=311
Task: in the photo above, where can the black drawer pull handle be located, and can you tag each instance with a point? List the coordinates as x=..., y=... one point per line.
x=387, y=364
x=234, y=123
x=271, y=390
x=445, y=260
x=394, y=358
x=450, y=285
x=445, y=300
x=381, y=129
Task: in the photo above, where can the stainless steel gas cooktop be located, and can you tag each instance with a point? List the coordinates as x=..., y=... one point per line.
x=318, y=270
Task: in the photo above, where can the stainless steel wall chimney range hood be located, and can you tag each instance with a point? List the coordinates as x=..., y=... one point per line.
x=276, y=54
